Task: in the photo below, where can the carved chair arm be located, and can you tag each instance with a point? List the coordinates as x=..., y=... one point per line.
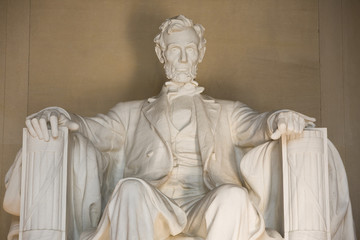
x=306, y=185
x=43, y=187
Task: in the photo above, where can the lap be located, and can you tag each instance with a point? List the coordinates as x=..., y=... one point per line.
x=134, y=197
x=224, y=194
x=226, y=197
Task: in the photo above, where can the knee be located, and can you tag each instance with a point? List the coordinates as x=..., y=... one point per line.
x=129, y=196
x=231, y=195
x=131, y=188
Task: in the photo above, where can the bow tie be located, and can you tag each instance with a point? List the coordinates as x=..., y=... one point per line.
x=175, y=90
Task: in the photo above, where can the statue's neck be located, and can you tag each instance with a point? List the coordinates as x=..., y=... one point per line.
x=181, y=84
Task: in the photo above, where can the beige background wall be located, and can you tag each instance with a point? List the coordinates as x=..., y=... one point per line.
x=340, y=85
x=87, y=55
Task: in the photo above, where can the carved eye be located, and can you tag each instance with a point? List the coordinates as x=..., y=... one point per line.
x=175, y=50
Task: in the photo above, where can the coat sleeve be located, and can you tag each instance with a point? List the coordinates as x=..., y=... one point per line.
x=106, y=132
x=250, y=128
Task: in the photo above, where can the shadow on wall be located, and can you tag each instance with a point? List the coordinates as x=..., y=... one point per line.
x=143, y=26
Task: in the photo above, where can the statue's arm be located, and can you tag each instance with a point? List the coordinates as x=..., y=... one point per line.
x=251, y=128
x=106, y=132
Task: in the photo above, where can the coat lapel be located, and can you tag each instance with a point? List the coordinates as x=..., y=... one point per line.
x=156, y=114
x=207, y=115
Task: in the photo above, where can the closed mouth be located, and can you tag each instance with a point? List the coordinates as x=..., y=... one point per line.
x=182, y=69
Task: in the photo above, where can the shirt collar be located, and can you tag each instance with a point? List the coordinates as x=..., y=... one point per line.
x=175, y=89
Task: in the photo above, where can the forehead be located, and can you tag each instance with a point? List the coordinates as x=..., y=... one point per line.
x=182, y=37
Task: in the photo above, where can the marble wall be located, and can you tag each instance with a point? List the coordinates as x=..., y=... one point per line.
x=87, y=55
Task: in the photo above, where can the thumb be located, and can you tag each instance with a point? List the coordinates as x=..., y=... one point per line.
x=72, y=126
x=280, y=130
x=65, y=121
x=276, y=135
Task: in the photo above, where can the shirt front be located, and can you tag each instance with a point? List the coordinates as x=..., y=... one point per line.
x=185, y=184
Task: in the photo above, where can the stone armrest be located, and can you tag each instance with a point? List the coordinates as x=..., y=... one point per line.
x=306, y=185
x=44, y=187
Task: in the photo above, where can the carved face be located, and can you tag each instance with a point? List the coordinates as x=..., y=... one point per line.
x=181, y=55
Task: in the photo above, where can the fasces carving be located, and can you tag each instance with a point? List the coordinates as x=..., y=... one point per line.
x=180, y=165
x=43, y=187
x=306, y=186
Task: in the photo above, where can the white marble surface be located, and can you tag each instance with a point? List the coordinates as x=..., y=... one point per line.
x=44, y=187
x=306, y=185
x=120, y=160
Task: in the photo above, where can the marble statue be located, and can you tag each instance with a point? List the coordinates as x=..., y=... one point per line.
x=180, y=165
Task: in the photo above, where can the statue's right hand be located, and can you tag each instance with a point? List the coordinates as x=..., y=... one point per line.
x=38, y=123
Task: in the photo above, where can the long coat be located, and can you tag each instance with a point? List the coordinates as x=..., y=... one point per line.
x=136, y=135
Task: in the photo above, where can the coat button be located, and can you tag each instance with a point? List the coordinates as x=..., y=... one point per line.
x=149, y=154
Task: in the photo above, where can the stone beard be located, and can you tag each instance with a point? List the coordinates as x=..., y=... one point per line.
x=189, y=72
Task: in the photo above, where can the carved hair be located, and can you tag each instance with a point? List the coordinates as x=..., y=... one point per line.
x=176, y=24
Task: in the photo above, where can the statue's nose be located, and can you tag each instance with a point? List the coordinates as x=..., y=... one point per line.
x=183, y=57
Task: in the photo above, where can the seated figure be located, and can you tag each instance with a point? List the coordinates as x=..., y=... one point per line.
x=171, y=166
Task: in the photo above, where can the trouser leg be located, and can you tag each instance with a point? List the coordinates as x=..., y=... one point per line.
x=226, y=213
x=139, y=211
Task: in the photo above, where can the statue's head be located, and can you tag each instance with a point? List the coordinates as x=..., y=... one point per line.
x=180, y=46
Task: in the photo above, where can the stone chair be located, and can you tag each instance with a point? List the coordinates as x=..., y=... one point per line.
x=305, y=191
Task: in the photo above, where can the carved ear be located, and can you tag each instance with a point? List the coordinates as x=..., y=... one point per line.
x=202, y=54
x=158, y=52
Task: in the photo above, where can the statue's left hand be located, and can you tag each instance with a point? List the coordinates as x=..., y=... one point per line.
x=290, y=122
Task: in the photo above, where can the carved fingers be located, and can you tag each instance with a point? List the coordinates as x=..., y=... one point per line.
x=54, y=122
x=40, y=123
x=30, y=128
x=37, y=125
x=291, y=123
